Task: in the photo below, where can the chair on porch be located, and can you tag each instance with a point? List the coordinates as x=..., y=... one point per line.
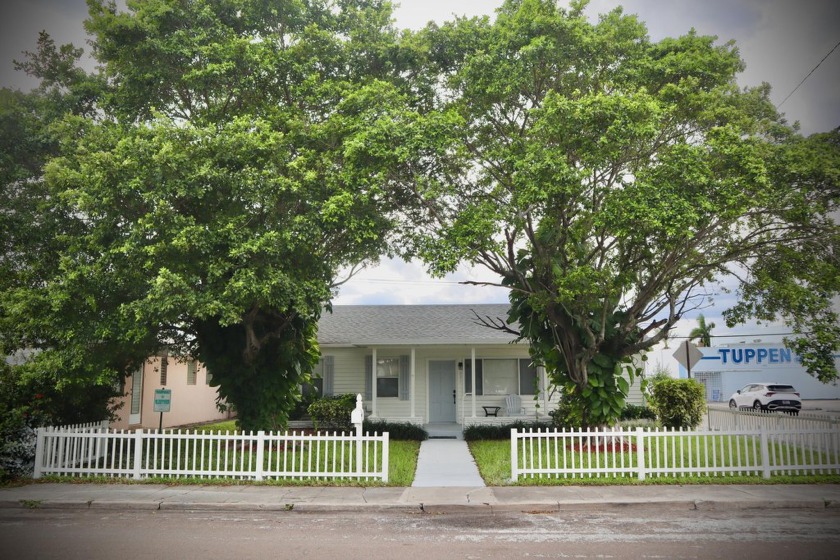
x=513, y=405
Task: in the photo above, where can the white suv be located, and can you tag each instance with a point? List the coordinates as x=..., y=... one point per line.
x=767, y=396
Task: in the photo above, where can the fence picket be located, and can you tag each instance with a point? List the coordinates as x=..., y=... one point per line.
x=85, y=451
x=764, y=452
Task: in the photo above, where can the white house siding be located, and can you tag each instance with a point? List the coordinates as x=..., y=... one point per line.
x=349, y=370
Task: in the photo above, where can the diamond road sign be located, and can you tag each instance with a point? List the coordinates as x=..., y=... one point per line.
x=688, y=355
x=163, y=400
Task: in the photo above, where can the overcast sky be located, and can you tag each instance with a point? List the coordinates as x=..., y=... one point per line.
x=780, y=40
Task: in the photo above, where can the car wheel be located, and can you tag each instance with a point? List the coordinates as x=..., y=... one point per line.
x=732, y=404
x=757, y=406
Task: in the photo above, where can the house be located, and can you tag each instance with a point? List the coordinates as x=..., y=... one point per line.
x=434, y=364
x=420, y=363
x=192, y=401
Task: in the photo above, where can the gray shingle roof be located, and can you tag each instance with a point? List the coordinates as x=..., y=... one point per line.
x=370, y=325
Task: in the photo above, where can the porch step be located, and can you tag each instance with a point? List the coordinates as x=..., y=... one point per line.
x=446, y=463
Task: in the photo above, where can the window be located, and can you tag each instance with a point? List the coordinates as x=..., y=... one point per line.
x=322, y=379
x=501, y=377
x=393, y=377
x=388, y=377
x=191, y=368
x=528, y=380
x=164, y=366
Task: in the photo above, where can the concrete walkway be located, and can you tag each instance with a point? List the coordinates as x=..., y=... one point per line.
x=446, y=463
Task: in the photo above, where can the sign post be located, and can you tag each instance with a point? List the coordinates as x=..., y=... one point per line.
x=688, y=355
x=163, y=403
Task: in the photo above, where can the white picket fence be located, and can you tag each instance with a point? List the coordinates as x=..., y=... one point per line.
x=643, y=453
x=246, y=456
x=728, y=419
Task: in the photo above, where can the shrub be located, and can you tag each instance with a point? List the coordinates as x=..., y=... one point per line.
x=333, y=412
x=485, y=432
x=402, y=431
x=566, y=415
x=637, y=412
x=678, y=403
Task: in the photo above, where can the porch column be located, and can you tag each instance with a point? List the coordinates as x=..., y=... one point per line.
x=472, y=373
x=373, y=384
x=411, y=392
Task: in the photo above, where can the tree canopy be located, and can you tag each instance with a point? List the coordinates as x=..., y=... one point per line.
x=609, y=180
x=208, y=205
x=200, y=195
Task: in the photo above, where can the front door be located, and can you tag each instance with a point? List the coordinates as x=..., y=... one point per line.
x=442, y=391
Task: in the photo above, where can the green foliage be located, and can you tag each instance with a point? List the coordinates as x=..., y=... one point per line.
x=637, y=412
x=487, y=432
x=679, y=403
x=397, y=431
x=206, y=196
x=702, y=332
x=608, y=180
x=333, y=412
x=33, y=396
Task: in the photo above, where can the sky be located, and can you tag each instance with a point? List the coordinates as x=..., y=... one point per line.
x=781, y=41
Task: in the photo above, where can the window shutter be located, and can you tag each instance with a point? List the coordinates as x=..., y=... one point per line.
x=405, y=378
x=479, y=376
x=328, y=375
x=368, y=378
x=191, y=367
x=164, y=366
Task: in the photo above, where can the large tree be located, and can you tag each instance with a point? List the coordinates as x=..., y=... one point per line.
x=609, y=180
x=218, y=190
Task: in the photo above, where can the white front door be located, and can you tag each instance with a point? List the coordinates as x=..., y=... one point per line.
x=442, y=391
x=136, y=397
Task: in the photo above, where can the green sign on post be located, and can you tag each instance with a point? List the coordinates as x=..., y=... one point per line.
x=163, y=400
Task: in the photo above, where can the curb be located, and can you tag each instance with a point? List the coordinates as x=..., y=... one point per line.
x=420, y=509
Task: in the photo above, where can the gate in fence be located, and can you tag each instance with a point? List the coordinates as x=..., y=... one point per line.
x=643, y=453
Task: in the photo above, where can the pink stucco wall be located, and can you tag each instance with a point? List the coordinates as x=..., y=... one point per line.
x=190, y=403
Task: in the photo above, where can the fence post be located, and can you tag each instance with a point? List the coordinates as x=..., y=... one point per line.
x=765, y=452
x=640, y=452
x=357, y=418
x=385, y=456
x=258, y=472
x=138, y=453
x=39, y=452
x=514, y=455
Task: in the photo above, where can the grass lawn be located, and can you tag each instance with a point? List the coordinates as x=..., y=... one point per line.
x=402, y=463
x=493, y=460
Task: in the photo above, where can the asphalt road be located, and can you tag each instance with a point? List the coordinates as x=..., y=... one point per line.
x=639, y=532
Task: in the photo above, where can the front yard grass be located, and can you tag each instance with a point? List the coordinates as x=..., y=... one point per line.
x=493, y=460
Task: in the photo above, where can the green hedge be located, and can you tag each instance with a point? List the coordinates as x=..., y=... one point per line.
x=402, y=431
x=479, y=432
x=333, y=412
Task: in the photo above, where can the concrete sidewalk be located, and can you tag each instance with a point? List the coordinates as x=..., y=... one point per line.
x=430, y=499
x=446, y=463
